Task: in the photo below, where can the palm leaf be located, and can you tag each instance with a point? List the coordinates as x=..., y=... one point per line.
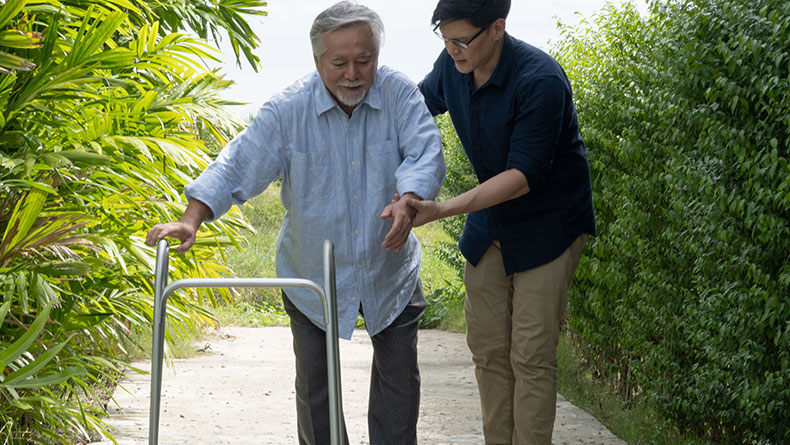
x=84, y=321
x=62, y=269
x=4, y=310
x=25, y=214
x=85, y=157
x=36, y=365
x=21, y=345
x=10, y=10
x=48, y=232
x=16, y=183
x=47, y=80
x=50, y=380
x=20, y=39
x=13, y=62
x=92, y=35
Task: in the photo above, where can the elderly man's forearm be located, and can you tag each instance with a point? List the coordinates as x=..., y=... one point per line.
x=195, y=214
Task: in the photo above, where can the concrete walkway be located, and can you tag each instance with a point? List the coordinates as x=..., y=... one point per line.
x=240, y=391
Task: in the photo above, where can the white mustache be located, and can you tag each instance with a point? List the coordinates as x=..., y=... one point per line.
x=348, y=84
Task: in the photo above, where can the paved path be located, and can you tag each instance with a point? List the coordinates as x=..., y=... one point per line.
x=240, y=391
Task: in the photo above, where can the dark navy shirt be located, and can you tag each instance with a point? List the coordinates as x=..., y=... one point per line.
x=522, y=118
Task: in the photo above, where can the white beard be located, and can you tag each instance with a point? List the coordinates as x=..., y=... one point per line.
x=350, y=98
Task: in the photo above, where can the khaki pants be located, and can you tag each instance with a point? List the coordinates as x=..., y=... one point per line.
x=513, y=327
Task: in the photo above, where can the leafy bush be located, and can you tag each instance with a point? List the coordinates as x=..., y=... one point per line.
x=104, y=110
x=685, y=294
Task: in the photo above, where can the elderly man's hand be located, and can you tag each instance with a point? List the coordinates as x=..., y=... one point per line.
x=185, y=230
x=401, y=215
x=179, y=230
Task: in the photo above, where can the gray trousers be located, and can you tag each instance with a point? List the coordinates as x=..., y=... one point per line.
x=393, y=406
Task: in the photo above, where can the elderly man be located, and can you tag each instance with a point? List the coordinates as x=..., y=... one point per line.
x=344, y=140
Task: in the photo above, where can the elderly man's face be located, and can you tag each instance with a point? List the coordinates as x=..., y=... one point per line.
x=348, y=66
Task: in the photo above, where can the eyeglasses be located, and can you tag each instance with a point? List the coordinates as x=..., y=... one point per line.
x=456, y=42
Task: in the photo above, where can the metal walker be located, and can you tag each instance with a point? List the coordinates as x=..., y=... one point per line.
x=328, y=296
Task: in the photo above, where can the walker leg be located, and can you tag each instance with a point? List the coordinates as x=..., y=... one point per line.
x=158, y=344
x=332, y=348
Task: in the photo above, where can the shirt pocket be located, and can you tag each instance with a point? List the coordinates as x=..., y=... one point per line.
x=383, y=159
x=311, y=177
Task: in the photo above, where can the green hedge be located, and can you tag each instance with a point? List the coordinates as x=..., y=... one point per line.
x=684, y=296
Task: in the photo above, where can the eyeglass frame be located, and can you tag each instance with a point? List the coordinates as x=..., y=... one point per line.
x=456, y=42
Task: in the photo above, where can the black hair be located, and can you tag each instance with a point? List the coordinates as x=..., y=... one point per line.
x=478, y=13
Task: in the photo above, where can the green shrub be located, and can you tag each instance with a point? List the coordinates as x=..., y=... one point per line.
x=685, y=294
x=106, y=111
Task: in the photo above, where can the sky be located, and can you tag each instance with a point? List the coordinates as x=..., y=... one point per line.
x=409, y=43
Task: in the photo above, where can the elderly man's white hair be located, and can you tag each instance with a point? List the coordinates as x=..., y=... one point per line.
x=341, y=15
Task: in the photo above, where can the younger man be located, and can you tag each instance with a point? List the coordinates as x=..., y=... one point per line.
x=527, y=221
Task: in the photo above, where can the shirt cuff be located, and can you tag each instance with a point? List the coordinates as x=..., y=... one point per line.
x=426, y=189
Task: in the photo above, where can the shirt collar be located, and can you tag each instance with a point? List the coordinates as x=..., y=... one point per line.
x=325, y=102
x=321, y=97
x=504, y=62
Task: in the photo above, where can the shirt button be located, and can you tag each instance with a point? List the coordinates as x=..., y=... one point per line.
x=353, y=298
x=359, y=265
x=356, y=197
x=353, y=163
x=357, y=231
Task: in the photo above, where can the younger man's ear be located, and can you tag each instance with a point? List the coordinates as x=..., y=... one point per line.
x=499, y=28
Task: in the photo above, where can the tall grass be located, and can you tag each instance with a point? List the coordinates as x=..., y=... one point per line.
x=256, y=258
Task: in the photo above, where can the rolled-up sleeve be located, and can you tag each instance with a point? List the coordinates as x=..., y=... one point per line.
x=537, y=129
x=244, y=167
x=422, y=171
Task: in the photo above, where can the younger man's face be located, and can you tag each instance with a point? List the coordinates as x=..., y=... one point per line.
x=480, y=49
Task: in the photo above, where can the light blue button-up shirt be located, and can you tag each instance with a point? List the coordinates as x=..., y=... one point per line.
x=338, y=174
